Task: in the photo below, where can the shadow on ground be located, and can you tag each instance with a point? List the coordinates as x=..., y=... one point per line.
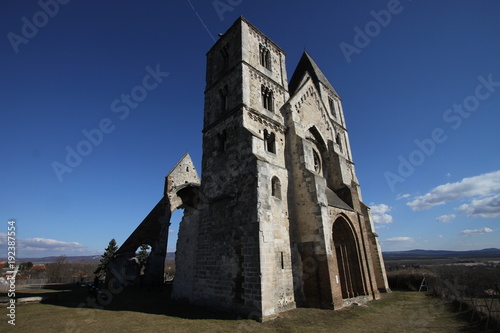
x=144, y=300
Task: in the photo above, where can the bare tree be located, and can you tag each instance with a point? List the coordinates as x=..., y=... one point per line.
x=57, y=270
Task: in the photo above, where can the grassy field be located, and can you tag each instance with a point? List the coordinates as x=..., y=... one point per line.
x=142, y=311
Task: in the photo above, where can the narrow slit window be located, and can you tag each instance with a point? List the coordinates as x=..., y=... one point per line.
x=270, y=141
x=225, y=55
x=338, y=140
x=239, y=279
x=223, y=98
x=331, y=102
x=316, y=161
x=276, y=187
x=221, y=141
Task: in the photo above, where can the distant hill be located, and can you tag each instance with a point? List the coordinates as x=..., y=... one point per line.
x=492, y=253
x=417, y=254
x=69, y=259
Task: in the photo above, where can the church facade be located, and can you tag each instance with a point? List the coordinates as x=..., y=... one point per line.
x=280, y=222
x=277, y=220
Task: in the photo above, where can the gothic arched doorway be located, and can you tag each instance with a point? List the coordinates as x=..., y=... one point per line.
x=348, y=261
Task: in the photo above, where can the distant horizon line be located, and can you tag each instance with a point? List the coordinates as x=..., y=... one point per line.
x=173, y=253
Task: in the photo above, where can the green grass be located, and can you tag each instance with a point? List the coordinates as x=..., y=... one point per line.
x=143, y=311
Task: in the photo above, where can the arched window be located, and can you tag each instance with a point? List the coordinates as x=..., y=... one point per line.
x=316, y=161
x=331, y=103
x=223, y=98
x=141, y=257
x=225, y=54
x=264, y=56
x=276, y=187
x=270, y=141
x=221, y=141
x=267, y=98
x=338, y=140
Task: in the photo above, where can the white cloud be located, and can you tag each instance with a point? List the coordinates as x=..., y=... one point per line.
x=446, y=218
x=379, y=213
x=400, y=239
x=482, y=186
x=380, y=227
x=402, y=196
x=485, y=208
x=42, y=247
x=475, y=232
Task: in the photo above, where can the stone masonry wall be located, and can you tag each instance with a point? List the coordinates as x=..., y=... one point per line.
x=279, y=222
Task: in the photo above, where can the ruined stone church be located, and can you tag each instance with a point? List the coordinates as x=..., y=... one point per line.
x=277, y=220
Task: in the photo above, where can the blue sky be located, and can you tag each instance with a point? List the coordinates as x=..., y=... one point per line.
x=420, y=83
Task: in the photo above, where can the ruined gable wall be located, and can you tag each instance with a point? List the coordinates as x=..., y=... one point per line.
x=183, y=173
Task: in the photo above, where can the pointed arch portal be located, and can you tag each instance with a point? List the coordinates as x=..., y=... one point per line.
x=348, y=260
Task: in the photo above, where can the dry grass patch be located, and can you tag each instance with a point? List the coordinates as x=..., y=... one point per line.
x=142, y=311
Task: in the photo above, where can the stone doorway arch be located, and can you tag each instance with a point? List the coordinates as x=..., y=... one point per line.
x=348, y=259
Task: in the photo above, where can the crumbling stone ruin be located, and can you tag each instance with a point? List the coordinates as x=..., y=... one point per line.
x=277, y=221
x=181, y=191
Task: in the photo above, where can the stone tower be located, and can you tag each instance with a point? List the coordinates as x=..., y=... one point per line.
x=243, y=253
x=277, y=220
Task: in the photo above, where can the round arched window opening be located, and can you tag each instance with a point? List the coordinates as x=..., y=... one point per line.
x=316, y=161
x=276, y=187
x=142, y=253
